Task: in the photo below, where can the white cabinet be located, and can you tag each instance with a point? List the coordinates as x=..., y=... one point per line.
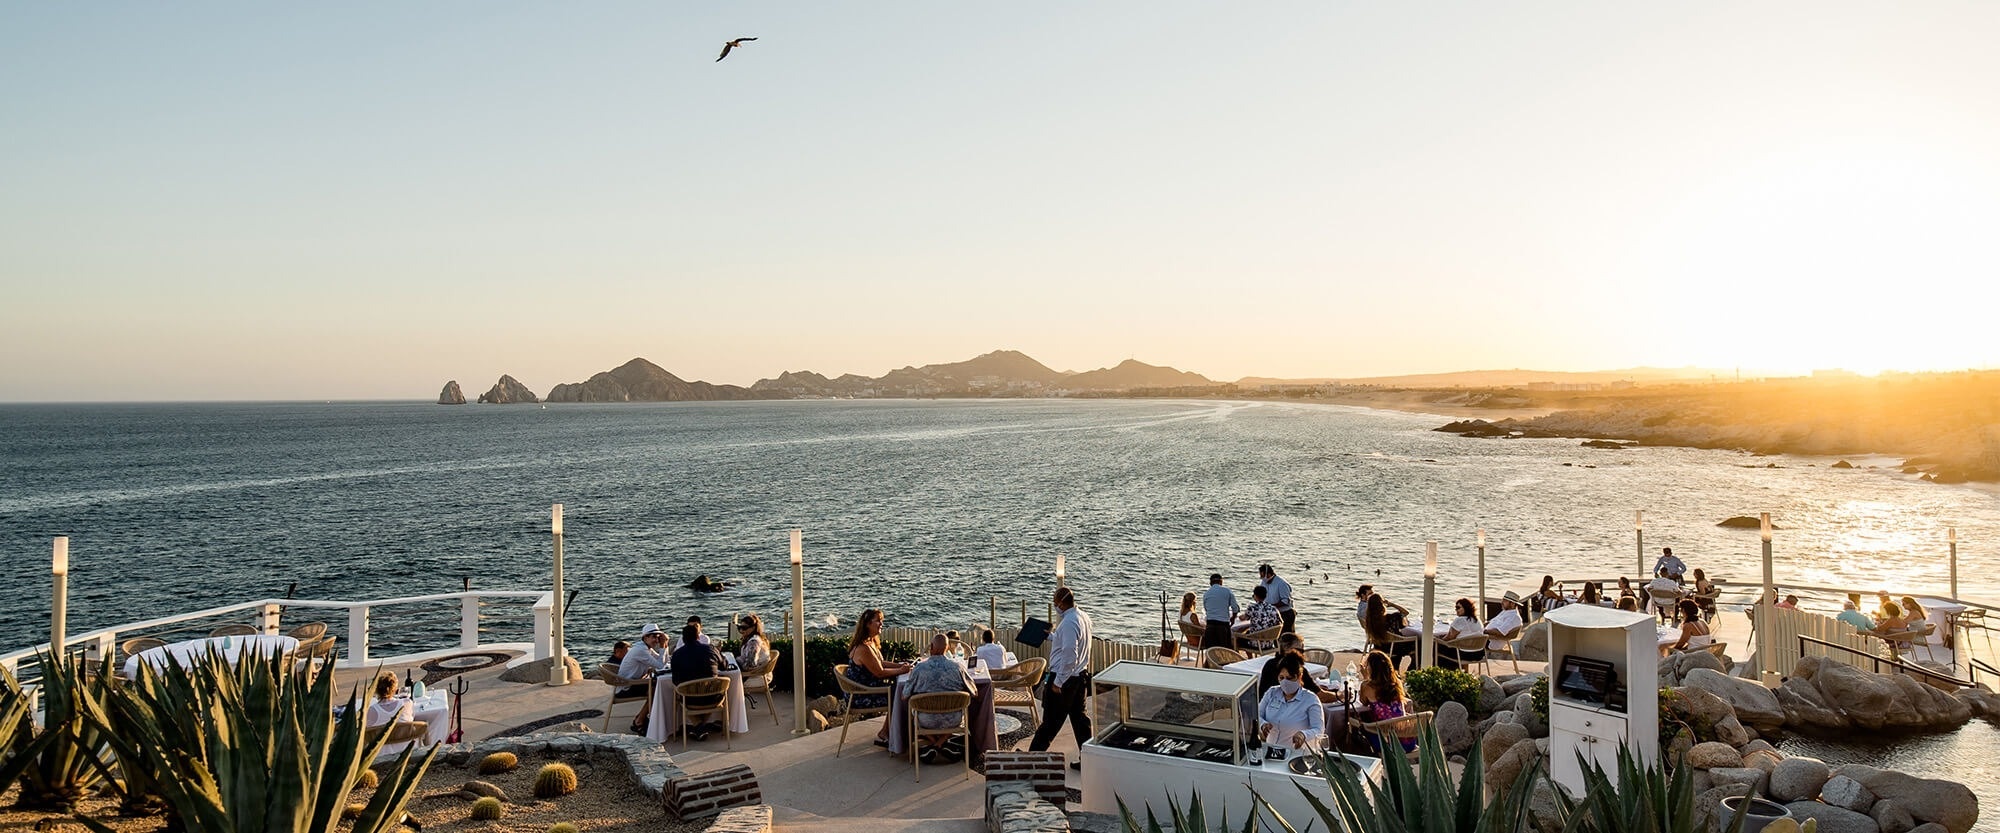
x=1585, y=716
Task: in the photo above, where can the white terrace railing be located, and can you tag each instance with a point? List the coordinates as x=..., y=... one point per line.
x=376, y=628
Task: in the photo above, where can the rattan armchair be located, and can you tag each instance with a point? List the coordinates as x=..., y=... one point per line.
x=233, y=630
x=939, y=702
x=757, y=680
x=717, y=687
x=607, y=673
x=1015, y=686
x=850, y=690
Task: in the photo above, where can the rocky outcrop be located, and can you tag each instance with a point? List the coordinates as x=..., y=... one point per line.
x=1823, y=694
x=451, y=395
x=508, y=391
x=1926, y=799
x=642, y=381
x=1754, y=704
x=1533, y=645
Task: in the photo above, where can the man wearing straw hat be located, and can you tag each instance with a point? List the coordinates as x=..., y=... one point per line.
x=1502, y=627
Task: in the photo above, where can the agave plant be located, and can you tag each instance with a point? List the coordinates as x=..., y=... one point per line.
x=1192, y=819
x=253, y=747
x=58, y=766
x=1645, y=797
x=1419, y=798
x=17, y=729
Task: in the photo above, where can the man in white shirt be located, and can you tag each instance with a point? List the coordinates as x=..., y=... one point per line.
x=695, y=621
x=1502, y=628
x=1279, y=593
x=991, y=654
x=1069, y=677
x=645, y=659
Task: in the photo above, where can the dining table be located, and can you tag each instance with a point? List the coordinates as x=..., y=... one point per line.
x=433, y=709
x=979, y=715
x=232, y=649
x=665, y=719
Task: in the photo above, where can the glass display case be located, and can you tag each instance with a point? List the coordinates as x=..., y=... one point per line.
x=1194, y=714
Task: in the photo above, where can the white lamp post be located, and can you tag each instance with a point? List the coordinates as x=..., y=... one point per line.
x=1950, y=535
x=558, y=664
x=1482, y=576
x=1429, y=655
x=798, y=633
x=59, y=615
x=1766, y=610
x=1639, y=535
x=1059, y=569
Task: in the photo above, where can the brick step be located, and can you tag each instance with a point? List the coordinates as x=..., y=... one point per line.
x=786, y=820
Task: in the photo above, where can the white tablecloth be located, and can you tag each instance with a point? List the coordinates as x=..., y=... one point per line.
x=231, y=648
x=1255, y=665
x=1941, y=613
x=1669, y=636
x=434, y=708
x=665, y=719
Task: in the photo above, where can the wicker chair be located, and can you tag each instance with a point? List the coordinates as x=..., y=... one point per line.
x=399, y=732
x=1320, y=656
x=940, y=702
x=1016, y=686
x=717, y=687
x=1391, y=733
x=1191, y=641
x=141, y=644
x=1475, y=642
x=1396, y=645
x=233, y=630
x=757, y=680
x=1218, y=657
x=851, y=690
x=1904, y=641
x=607, y=673
x=1664, y=601
x=1257, y=642
x=307, y=633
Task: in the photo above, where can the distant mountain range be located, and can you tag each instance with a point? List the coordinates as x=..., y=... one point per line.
x=999, y=373
x=1506, y=378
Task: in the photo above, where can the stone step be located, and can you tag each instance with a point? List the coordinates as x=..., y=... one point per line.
x=786, y=820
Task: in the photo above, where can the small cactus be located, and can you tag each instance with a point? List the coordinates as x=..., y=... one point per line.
x=353, y=811
x=488, y=809
x=555, y=780
x=368, y=779
x=562, y=827
x=497, y=763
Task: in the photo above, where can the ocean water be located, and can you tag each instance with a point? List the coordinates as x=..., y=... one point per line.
x=931, y=509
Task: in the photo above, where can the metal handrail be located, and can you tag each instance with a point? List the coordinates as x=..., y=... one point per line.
x=1878, y=660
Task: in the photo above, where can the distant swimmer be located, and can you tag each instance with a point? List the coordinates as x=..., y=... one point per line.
x=732, y=45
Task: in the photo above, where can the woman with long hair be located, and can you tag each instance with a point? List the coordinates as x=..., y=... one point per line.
x=388, y=708
x=1382, y=631
x=1695, y=634
x=1188, y=614
x=1467, y=624
x=1381, y=694
x=866, y=667
x=755, y=650
x=1591, y=595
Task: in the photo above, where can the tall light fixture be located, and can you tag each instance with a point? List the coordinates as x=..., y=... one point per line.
x=1766, y=610
x=1950, y=535
x=558, y=658
x=1428, y=657
x=1639, y=536
x=798, y=633
x=1059, y=569
x=1482, y=576
x=59, y=614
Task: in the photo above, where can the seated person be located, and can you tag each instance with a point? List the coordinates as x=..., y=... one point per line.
x=992, y=654
x=939, y=673
x=1852, y=616
x=1665, y=594
x=1288, y=644
x=755, y=650
x=646, y=660
x=1669, y=566
x=1361, y=595
x=1385, y=630
x=1625, y=590
x=1630, y=603
x=1791, y=602
x=1506, y=624
x=1288, y=716
x=1892, y=619
x=1381, y=696
x=1705, y=592
x=618, y=651
x=1548, y=598
x=1913, y=612
x=1882, y=602
x=1261, y=615
x=1465, y=625
x=1189, y=615
x=1591, y=595
x=1695, y=635
x=865, y=666
x=696, y=622
x=388, y=708
x=694, y=660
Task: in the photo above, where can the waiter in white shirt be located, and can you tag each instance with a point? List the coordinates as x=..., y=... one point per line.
x=1069, y=677
x=1278, y=592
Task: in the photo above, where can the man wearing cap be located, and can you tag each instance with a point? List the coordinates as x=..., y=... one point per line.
x=1279, y=593
x=644, y=660
x=1501, y=629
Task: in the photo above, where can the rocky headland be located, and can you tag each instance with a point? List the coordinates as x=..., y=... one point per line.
x=508, y=391
x=642, y=381
x=451, y=395
x=1946, y=425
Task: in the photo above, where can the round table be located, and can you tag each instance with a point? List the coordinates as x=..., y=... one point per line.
x=231, y=648
x=665, y=719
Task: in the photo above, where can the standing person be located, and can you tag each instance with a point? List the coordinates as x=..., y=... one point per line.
x=1669, y=566
x=1069, y=677
x=1279, y=593
x=1219, y=608
x=1289, y=715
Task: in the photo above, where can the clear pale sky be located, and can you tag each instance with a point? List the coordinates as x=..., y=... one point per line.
x=248, y=201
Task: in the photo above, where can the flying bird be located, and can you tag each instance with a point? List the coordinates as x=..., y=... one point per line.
x=732, y=45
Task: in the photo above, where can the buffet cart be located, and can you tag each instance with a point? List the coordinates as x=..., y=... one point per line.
x=1170, y=732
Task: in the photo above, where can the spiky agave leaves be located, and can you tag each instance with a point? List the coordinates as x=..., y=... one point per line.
x=1419, y=797
x=1654, y=798
x=255, y=747
x=1193, y=817
x=62, y=763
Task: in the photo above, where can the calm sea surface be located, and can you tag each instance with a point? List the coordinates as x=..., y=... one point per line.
x=931, y=509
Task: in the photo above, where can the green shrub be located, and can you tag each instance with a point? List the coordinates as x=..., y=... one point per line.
x=1642, y=797
x=555, y=781
x=488, y=809
x=497, y=763
x=1538, y=697
x=1432, y=687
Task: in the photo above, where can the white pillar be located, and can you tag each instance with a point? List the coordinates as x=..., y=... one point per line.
x=1639, y=537
x=1481, y=607
x=270, y=618
x=1427, y=641
x=1767, y=614
x=59, y=601
x=558, y=667
x=1952, y=536
x=468, y=621
x=798, y=620
x=357, y=636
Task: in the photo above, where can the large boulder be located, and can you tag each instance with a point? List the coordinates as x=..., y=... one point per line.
x=1926, y=799
x=1729, y=730
x=1753, y=703
x=1748, y=776
x=1701, y=710
x=1524, y=714
x=1797, y=779
x=1534, y=643
x=1492, y=697
x=1891, y=817
x=1805, y=708
x=451, y=395
x=1847, y=794
x=1982, y=702
x=1832, y=819
x=1498, y=740
x=1708, y=804
x=1544, y=811
x=1454, y=727
x=1508, y=766
x=1870, y=701
x=1516, y=685
x=1712, y=754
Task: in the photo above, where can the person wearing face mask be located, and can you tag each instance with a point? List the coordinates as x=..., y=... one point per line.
x=1291, y=717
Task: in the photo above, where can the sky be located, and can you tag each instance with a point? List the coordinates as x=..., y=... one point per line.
x=363, y=200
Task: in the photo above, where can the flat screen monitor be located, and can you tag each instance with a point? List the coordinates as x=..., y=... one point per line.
x=1589, y=680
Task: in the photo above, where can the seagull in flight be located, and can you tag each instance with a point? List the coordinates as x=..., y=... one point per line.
x=732, y=45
